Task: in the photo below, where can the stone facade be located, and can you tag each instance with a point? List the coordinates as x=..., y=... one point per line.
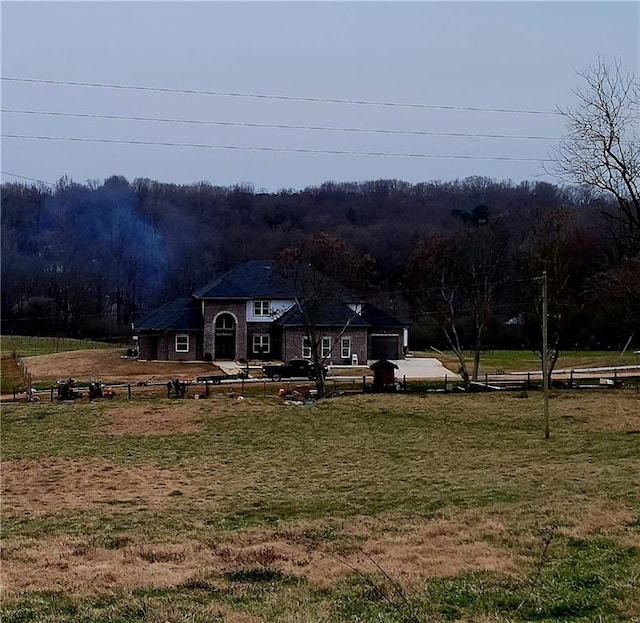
x=163, y=347
x=293, y=339
x=275, y=341
x=237, y=309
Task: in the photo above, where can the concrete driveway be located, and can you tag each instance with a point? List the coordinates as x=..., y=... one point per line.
x=423, y=368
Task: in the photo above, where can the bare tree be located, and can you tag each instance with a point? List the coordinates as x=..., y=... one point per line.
x=568, y=256
x=456, y=278
x=602, y=148
x=435, y=288
x=319, y=268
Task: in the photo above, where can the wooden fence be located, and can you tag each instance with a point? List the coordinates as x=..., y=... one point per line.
x=355, y=385
x=24, y=371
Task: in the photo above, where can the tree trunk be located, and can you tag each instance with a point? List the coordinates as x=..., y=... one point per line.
x=454, y=342
x=476, y=354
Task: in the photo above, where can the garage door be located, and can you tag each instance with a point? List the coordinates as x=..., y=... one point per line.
x=385, y=347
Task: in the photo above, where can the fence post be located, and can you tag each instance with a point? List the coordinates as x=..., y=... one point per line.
x=486, y=380
x=14, y=394
x=528, y=380
x=129, y=391
x=445, y=383
x=364, y=384
x=52, y=394
x=206, y=389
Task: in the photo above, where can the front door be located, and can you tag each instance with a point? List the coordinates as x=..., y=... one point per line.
x=225, y=337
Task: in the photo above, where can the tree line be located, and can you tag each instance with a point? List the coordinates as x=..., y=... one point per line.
x=459, y=260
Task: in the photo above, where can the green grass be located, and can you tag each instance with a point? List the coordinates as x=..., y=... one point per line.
x=30, y=346
x=398, y=461
x=523, y=360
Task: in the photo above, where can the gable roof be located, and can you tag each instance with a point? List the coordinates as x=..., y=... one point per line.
x=380, y=319
x=331, y=314
x=177, y=315
x=260, y=279
x=251, y=280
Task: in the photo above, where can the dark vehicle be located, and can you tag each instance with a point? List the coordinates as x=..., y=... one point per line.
x=216, y=379
x=66, y=390
x=295, y=368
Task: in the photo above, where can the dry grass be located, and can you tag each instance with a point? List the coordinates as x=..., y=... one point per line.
x=166, y=419
x=110, y=367
x=412, y=551
x=56, y=485
x=116, y=497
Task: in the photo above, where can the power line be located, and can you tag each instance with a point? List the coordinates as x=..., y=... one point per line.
x=271, y=149
x=293, y=98
x=31, y=179
x=274, y=125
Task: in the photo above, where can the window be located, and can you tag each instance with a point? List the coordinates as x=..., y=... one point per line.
x=261, y=344
x=182, y=343
x=306, y=348
x=225, y=322
x=345, y=348
x=261, y=308
x=325, y=350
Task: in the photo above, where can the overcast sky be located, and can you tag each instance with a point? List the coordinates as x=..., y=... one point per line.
x=442, y=57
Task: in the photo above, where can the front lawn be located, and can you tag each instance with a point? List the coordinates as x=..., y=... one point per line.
x=358, y=508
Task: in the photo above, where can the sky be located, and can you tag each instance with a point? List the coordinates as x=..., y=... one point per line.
x=359, y=90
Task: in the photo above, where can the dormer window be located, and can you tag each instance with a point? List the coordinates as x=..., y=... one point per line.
x=261, y=308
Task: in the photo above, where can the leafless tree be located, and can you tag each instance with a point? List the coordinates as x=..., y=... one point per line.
x=602, y=147
x=568, y=256
x=436, y=289
x=319, y=268
x=456, y=279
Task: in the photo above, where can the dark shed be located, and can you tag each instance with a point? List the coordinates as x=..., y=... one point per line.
x=384, y=377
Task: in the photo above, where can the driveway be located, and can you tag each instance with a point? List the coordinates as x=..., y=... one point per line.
x=423, y=368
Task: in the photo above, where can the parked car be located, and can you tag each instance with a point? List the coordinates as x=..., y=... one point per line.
x=295, y=368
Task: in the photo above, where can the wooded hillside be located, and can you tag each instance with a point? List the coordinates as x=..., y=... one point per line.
x=84, y=259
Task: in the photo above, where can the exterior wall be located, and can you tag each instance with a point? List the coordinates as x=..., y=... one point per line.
x=263, y=328
x=147, y=348
x=293, y=337
x=278, y=307
x=285, y=344
x=237, y=309
x=162, y=347
x=358, y=347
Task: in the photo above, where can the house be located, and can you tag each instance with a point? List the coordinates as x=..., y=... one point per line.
x=253, y=313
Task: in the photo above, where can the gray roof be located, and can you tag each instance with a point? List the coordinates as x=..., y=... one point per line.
x=261, y=279
x=178, y=315
x=251, y=280
x=380, y=319
x=337, y=314
x=334, y=314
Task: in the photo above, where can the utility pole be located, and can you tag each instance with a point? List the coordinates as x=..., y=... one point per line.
x=545, y=354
